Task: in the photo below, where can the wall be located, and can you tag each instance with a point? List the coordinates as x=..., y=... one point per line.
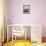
x=37, y=16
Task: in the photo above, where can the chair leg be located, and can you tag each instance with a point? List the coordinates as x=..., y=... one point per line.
x=2, y=44
x=25, y=36
x=15, y=38
x=12, y=36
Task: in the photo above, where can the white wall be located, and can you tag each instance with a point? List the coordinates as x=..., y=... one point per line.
x=37, y=16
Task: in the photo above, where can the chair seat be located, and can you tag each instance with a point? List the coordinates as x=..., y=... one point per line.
x=18, y=33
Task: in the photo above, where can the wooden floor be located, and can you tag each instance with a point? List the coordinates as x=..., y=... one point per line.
x=18, y=43
x=25, y=43
x=43, y=39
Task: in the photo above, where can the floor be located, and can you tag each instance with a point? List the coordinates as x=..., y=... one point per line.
x=23, y=43
x=18, y=43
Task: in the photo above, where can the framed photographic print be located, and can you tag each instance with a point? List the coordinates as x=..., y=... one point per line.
x=26, y=9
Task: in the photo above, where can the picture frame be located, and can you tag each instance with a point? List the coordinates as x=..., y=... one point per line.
x=26, y=9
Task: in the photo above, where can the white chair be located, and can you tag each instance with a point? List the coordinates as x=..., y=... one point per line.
x=17, y=31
